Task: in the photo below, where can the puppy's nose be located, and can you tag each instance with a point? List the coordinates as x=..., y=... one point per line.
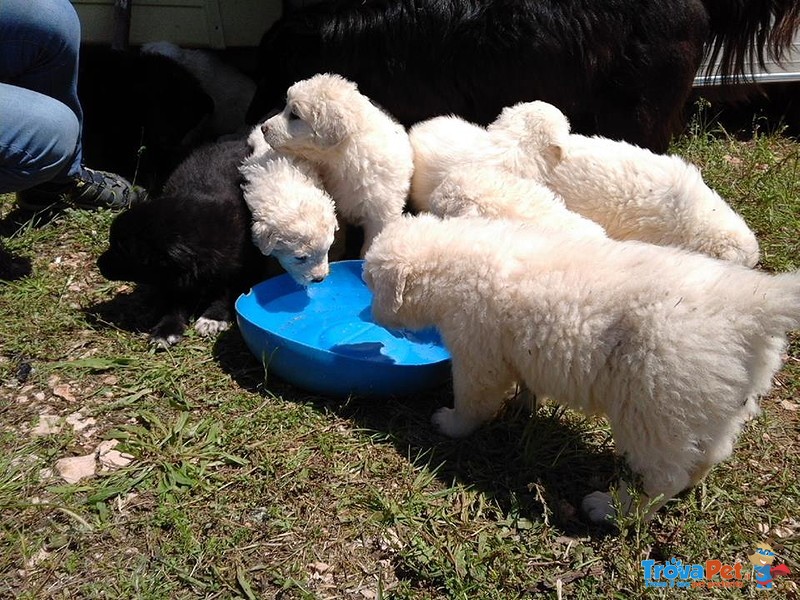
x=264, y=128
x=318, y=279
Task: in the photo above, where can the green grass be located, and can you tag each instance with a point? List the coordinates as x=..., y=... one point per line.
x=243, y=487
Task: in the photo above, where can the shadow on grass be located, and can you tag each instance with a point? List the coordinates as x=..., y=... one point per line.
x=18, y=219
x=745, y=110
x=136, y=311
x=13, y=266
x=542, y=465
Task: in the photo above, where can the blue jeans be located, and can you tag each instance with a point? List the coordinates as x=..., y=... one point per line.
x=40, y=115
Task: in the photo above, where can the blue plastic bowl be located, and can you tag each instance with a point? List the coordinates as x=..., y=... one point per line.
x=323, y=339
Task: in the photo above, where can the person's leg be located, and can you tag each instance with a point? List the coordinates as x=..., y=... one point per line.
x=41, y=144
x=39, y=48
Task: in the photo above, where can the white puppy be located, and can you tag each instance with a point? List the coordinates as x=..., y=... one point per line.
x=632, y=192
x=363, y=155
x=294, y=219
x=672, y=346
x=497, y=194
x=441, y=145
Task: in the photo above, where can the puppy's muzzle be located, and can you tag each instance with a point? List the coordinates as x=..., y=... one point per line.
x=318, y=274
x=264, y=128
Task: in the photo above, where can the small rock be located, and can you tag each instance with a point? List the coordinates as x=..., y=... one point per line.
x=320, y=567
x=79, y=422
x=47, y=424
x=23, y=372
x=111, y=458
x=75, y=468
x=64, y=391
x=37, y=558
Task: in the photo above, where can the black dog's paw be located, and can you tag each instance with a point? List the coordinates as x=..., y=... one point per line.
x=169, y=331
x=211, y=327
x=216, y=318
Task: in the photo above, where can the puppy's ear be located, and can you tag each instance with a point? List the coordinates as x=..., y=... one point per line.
x=331, y=126
x=389, y=286
x=264, y=237
x=399, y=288
x=553, y=153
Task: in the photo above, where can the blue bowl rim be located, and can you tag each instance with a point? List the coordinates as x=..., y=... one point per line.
x=324, y=351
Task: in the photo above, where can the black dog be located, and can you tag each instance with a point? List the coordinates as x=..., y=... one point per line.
x=619, y=68
x=142, y=113
x=192, y=243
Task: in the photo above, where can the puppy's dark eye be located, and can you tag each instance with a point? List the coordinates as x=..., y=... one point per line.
x=302, y=258
x=293, y=116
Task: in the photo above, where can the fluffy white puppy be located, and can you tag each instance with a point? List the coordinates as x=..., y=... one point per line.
x=632, y=192
x=363, y=155
x=294, y=219
x=497, y=194
x=673, y=347
x=441, y=145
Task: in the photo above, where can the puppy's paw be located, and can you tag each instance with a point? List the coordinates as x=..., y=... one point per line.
x=169, y=330
x=599, y=507
x=210, y=327
x=165, y=341
x=450, y=424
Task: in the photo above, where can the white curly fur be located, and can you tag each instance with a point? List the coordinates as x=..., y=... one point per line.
x=442, y=145
x=673, y=347
x=497, y=194
x=294, y=219
x=632, y=192
x=363, y=155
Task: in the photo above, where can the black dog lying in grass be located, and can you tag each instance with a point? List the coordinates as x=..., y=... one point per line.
x=191, y=243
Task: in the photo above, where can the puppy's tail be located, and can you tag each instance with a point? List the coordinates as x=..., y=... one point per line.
x=782, y=301
x=773, y=310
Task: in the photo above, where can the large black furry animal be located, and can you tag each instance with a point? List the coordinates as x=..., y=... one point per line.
x=619, y=68
x=142, y=113
x=191, y=243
